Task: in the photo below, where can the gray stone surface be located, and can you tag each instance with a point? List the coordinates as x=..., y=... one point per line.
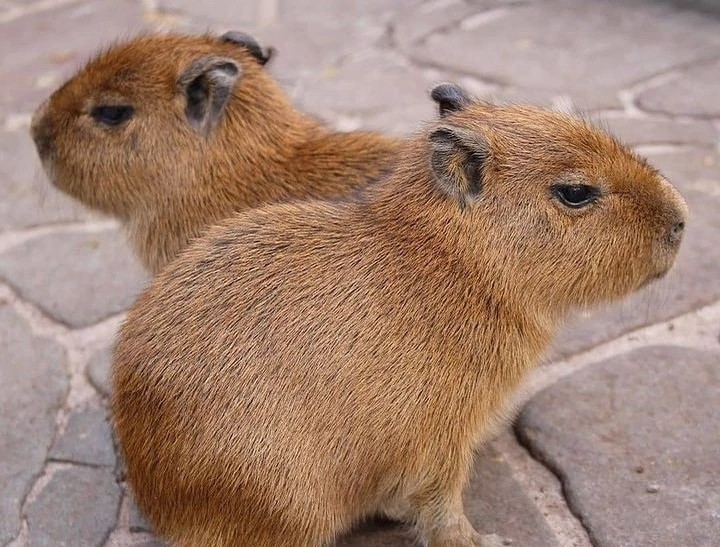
x=50, y=45
x=86, y=439
x=138, y=522
x=26, y=197
x=99, y=370
x=397, y=103
x=692, y=93
x=79, y=506
x=636, y=440
x=33, y=383
x=583, y=49
x=644, y=131
x=77, y=278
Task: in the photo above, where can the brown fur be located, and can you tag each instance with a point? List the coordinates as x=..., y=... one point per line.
x=166, y=181
x=306, y=365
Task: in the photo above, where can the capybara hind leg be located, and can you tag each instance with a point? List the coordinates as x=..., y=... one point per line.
x=445, y=525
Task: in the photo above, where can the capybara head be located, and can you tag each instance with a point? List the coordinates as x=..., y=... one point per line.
x=139, y=120
x=560, y=209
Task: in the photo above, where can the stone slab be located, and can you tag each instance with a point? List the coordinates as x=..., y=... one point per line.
x=635, y=440
x=87, y=439
x=78, y=506
x=693, y=92
x=571, y=47
x=137, y=521
x=26, y=196
x=76, y=278
x=33, y=384
x=99, y=370
x=645, y=131
x=396, y=102
x=51, y=45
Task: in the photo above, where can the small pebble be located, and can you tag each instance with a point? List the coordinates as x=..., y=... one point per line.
x=652, y=489
x=639, y=469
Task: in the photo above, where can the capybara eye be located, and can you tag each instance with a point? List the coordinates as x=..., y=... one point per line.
x=112, y=115
x=575, y=195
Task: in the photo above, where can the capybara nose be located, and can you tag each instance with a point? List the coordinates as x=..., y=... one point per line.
x=40, y=129
x=676, y=232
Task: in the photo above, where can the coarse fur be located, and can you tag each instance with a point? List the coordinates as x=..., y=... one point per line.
x=168, y=172
x=306, y=365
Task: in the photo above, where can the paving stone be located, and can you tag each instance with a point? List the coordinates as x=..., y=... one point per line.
x=573, y=47
x=99, y=370
x=50, y=45
x=643, y=131
x=33, y=383
x=244, y=15
x=691, y=170
x=309, y=37
x=26, y=196
x=86, y=439
x=138, y=522
x=79, y=506
x=427, y=18
x=397, y=101
x=693, y=281
x=77, y=278
x=694, y=92
x=635, y=441
x=494, y=503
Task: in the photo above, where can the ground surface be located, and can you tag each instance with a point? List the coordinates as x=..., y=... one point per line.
x=619, y=442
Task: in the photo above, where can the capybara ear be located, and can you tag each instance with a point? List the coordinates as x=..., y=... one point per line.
x=457, y=158
x=450, y=98
x=249, y=43
x=207, y=84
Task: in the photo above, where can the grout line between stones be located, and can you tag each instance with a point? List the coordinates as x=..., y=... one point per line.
x=628, y=97
x=695, y=329
x=545, y=490
x=560, y=478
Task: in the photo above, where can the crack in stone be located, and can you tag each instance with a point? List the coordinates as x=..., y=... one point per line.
x=75, y=463
x=629, y=95
x=543, y=488
x=696, y=329
x=526, y=443
x=455, y=73
x=693, y=329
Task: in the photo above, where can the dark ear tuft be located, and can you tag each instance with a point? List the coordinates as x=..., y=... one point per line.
x=208, y=84
x=249, y=43
x=450, y=98
x=457, y=159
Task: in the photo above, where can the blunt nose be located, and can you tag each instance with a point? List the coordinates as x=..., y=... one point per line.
x=41, y=131
x=676, y=232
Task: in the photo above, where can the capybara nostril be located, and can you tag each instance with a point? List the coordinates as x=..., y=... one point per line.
x=676, y=232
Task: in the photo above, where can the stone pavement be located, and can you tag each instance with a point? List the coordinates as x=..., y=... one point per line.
x=619, y=439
